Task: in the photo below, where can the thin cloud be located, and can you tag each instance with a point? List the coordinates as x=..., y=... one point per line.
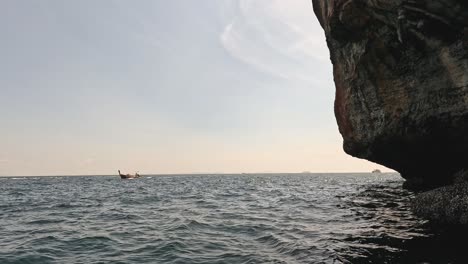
x=278, y=38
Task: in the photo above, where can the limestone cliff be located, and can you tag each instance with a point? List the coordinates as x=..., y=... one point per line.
x=401, y=75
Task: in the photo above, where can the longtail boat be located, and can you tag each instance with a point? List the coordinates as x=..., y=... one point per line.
x=129, y=176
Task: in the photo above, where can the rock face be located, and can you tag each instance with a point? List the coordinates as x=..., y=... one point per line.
x=445, y=205
x=401, y=75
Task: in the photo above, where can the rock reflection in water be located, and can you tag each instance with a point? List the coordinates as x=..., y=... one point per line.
x=396, y=235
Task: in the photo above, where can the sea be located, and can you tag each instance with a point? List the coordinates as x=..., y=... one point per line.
x=246, y=218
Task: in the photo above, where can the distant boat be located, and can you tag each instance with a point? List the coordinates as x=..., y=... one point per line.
x=129, y=176
x=376, y=171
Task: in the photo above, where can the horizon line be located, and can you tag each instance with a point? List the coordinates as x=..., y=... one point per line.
x=195, y=173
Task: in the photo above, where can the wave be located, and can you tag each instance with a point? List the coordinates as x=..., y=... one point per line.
x=205, y=219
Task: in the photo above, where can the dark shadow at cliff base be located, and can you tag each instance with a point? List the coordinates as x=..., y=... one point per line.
x=396, y=235
x=448, y=246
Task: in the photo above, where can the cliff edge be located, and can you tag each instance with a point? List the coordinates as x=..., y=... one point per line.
x=401, y=76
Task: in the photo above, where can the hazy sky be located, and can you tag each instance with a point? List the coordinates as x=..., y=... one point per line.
x=166, y=86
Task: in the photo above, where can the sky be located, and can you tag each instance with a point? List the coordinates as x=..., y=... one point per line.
x=158, y=86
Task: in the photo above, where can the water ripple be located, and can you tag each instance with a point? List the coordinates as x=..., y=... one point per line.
x=284, y=218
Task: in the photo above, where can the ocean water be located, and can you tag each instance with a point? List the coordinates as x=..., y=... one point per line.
x=275, y=218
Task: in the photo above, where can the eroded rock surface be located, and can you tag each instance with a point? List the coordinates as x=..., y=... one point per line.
x=446, y=205
x=401, y=75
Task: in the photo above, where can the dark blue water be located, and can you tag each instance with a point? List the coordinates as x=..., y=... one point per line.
x=284, y=218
